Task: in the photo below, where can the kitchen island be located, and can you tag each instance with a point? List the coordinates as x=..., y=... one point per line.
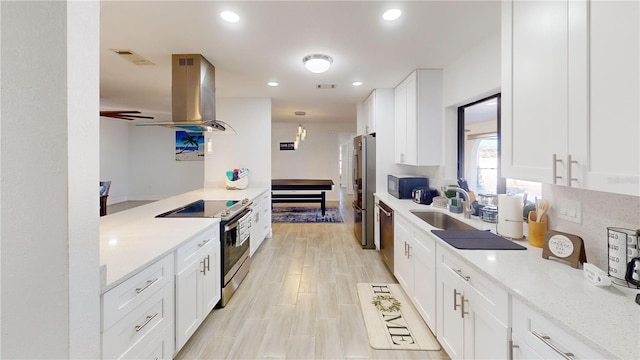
x=160, y=277
x=605, y=319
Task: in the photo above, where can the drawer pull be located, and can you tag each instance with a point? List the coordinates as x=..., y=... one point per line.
x=459, y=272
x=204, y=243
x=149, y=283
x=545, y=339
x=149, y=318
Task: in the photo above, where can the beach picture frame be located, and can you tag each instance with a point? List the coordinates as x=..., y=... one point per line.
x=189, y=146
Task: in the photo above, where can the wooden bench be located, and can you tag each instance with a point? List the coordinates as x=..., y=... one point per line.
x=301, y=185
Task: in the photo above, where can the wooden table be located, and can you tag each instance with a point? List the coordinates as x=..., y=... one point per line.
x=301, y=185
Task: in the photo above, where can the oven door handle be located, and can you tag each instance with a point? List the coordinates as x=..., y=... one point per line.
x=230, y=227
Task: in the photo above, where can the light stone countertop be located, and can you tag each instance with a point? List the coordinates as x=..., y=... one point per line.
x=133, y=239
x=607, y=319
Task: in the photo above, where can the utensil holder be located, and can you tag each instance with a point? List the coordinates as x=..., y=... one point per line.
x=537, y=230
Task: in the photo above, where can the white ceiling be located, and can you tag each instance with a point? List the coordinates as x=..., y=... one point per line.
x=271, y=39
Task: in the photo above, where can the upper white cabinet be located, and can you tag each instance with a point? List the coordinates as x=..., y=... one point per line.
x=570, y=90
x=418, y=119
x=378, y=106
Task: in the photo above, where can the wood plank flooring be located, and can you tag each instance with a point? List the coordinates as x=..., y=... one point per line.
x=299, y=300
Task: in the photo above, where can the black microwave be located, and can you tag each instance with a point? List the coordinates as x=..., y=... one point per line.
x=401, y=186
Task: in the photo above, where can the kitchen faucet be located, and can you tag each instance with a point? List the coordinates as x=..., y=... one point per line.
x=465, y=196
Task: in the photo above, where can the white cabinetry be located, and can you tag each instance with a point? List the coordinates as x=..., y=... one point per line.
x=419, y=119
x=473, y=313
x=377, y=107
x=570, y=84
x=198, y=287
x=414, y=267
x=138, y=315
x=261, y=217
x=535, y=337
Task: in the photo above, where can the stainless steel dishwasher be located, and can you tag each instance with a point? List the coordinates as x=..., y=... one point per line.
x=385, y=214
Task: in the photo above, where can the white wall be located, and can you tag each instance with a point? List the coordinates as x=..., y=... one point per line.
x=114, y=158
x=476, y=74
x=316, y=157
x=49, y=162
x=154, y=173
x=251, y=118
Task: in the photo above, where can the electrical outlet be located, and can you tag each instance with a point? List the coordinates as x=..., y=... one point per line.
x=570, y=210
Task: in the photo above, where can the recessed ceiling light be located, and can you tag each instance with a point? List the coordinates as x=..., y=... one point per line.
x=356, y=83
x=230, y=16
x=273, y=83
x=391, y=14
x=317, y=63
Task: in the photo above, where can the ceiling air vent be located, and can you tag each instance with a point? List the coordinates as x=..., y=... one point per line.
x=326, y=86
x=132, y=57
x=300, y=113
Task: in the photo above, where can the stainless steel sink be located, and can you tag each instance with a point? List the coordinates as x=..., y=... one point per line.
x=441, y=220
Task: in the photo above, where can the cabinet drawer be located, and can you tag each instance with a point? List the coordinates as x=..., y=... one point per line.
x=544, y=337
x=483, y=292
x=195, y=248
x=139, y=327
x=120, y=300
x=153, y=348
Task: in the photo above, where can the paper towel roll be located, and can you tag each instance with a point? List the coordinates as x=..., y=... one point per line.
x=510, y=216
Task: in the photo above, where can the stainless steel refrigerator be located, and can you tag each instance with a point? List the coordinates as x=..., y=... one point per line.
x=364, y=185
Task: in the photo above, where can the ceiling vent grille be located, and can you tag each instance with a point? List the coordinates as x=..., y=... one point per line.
x=132, y=57
x=326, y=86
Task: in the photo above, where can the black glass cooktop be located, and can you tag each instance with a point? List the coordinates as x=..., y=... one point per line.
x=200, y=208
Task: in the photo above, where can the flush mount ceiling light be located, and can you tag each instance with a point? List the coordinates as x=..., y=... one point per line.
x=357, y=83
x=317, y=63
x=273, y=83
x=391, y=14
x=230, y=16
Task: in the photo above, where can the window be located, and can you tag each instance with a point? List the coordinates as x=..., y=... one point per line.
x=479, y=151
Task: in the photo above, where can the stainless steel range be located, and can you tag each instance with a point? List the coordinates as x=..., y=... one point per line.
x=235, y=229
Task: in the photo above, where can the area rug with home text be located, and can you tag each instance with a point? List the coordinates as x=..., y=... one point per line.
x=392, y=322
x=287, y=214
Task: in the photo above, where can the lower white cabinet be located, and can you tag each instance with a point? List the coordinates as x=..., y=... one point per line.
x=261, y=217
x=473, y=312
x=198, y=287
x=414, y=267
x=138, y=315
x=535, y=337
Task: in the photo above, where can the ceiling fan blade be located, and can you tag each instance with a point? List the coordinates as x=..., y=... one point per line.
x=124, y=115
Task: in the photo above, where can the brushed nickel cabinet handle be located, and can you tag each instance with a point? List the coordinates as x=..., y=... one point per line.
x=204, y=266
x=555, y=168
x=545, y=339
x=149, y=283
x=455, y=297
x=204, y=243
x=570, y=178
x=465, y=277
x=149, y=318
x=511, y=347
x=462, y=312
x=208, y=262
x=408, y=251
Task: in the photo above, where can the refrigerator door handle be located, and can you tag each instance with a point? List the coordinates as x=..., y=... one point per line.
x=356, y=207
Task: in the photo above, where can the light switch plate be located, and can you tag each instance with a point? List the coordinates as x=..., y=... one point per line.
x=570, y=210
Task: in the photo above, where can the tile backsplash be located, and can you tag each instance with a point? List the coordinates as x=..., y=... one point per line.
x=599, y=211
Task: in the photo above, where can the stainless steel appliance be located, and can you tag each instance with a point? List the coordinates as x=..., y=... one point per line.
x=424, y=195
x=235, y=229
x=364, y=185
x=385, y=214
x=401, y=186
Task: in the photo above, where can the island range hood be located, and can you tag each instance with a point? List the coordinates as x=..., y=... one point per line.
x=193, y=96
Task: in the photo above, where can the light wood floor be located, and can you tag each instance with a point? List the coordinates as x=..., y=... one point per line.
x=299, y=300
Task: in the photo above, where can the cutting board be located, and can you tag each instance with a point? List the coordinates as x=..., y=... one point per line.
x=476, y=240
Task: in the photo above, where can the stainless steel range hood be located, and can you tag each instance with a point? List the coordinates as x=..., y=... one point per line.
x=193, y=96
